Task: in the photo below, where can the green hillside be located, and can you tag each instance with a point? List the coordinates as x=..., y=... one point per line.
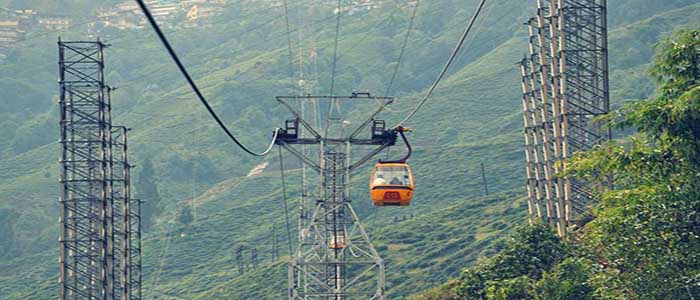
x=241, y=63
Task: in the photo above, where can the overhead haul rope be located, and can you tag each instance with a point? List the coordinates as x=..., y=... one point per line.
x=335, y=45
x=300, y=39
x=289, y=42
x=194, y=87
x=286, y=206
x=169, y=231
x=398, y=63
x=403, y=48
x=198, y=152
x=334, y=102
x=455, y=51
x=250, y=46
x=303, y=89
x=163, y=252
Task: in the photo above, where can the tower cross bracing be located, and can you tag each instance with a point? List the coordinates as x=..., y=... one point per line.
x=565, y=87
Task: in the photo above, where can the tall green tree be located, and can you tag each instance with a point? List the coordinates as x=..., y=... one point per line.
x=530, y=252
x=568, y=280
x=147, y=189
x=185, y=216
x=646, y=233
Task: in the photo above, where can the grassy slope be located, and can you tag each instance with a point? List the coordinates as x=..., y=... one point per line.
x=199, y=264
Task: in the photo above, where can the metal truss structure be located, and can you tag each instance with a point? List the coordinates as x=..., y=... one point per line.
x=335, y=258
x=128, y=212
x=100, y=224
x=565, y=87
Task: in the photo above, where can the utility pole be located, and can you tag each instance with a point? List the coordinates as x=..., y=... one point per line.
x=483, y=180
x=128, y=210
x=275, y=250
x=239, y=259
x=335, y=258
x=254, y=257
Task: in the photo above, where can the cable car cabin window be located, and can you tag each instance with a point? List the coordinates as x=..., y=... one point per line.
x=394, y=175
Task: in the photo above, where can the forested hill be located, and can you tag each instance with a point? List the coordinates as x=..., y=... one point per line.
x=241, y=61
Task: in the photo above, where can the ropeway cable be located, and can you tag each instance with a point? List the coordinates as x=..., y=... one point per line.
x=455, y=51
x=403, y=48
x=286, y=206
x=194, y=87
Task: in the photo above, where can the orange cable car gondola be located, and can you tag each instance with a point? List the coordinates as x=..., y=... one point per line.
x=391, y=182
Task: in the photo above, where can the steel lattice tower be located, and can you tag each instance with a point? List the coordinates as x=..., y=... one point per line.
x=128, y=216
x=98, y=217
x=86, y=213
x=583, y=55
x=335, y=259
x=565, y=87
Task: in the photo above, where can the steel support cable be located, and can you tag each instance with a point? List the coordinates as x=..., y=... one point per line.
x=300, y=39
x=194, y=87
x=479, y=27
x=250, y=47
x=467, y=45
x=335, y=102
x=403, y=49
x=160, y=69
x=452, y=57
x=289, y=42
x=286, y=206
x=335, y=45
x=163, y=253
x=197, y=147
x=399, y=60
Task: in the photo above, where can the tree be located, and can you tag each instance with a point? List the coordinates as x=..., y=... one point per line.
x=148, y=193
x=517, y=288
x=568, y=280
x=531, y=251
x=185, y=216
x=205, y=170
x=446, y=291
x=645, y=233
x=178, y=168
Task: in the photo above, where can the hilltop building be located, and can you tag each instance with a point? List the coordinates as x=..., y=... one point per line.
x=53, y=22
x=10, y=32
x=169, y=13
x=358, y=6
x=14, y=24
x=125, y=15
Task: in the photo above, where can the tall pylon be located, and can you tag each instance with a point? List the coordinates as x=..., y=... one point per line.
x=565, y=88
x=100, y=241
x=335, y=259
x=87, y=232
x=128, y=216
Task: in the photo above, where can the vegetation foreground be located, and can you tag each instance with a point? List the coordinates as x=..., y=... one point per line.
x=643, y=240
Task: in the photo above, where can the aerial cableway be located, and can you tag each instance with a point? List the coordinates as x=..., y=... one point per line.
x=335, y=258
